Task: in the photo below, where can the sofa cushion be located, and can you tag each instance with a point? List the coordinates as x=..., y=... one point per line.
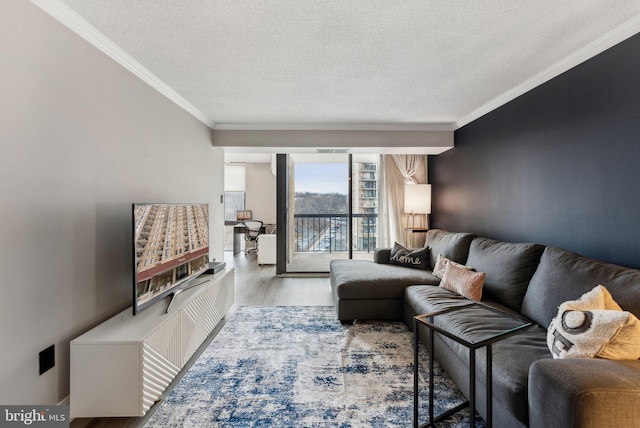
x=584, y=393
x=423, y=299
x=508, y=266
x=415, y=259
x=363, y=279
x=594, y=326
x=563, y=275
x=463, y=281
x=381, y=255
x=511, y=357
x=454, y=246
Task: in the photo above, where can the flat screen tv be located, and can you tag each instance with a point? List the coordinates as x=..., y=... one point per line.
x=171, y=248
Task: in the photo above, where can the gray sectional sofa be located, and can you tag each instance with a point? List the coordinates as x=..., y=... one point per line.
x=530, y=388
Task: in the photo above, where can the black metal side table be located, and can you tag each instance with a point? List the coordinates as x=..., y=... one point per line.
x=471, y=340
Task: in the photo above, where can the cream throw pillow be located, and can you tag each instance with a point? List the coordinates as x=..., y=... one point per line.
x=594, y=326
x=463, y=281
x=441, y=264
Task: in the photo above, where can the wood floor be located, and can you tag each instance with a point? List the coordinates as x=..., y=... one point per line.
x=318, y=262
x=259, y=285
x=255, y=286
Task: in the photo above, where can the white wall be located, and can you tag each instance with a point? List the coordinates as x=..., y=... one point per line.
x=81, y=139
x=261, y=191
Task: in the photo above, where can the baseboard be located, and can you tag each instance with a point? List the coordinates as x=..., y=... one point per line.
x=66, y=401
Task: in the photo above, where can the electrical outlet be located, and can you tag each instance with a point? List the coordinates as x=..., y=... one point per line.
x=47, y=359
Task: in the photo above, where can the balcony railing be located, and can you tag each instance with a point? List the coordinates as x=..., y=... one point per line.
x=328, y=233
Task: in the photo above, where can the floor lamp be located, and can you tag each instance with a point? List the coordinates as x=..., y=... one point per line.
x=417, y=200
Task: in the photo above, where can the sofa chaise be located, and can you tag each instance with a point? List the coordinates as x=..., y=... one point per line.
x=530, y=387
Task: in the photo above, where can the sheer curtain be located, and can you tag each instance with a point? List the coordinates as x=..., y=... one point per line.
x=412, y=168
x=397, y=170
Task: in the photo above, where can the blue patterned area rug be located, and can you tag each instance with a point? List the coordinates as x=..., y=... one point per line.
x=297, y=366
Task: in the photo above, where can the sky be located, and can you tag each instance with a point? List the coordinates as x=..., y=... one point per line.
x=322, y=177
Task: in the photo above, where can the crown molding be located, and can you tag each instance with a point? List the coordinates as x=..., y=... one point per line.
x=69, y=18
x=445, y=126
x=594, y=48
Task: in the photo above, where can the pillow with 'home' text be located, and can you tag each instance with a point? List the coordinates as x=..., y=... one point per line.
x=401, y=256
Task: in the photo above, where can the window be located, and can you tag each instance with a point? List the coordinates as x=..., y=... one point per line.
x=234, y=191
x=233, y=202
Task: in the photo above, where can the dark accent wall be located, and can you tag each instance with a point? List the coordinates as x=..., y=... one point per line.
x=559, y=165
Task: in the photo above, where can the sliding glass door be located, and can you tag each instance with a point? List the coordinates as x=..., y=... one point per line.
x=328, y=207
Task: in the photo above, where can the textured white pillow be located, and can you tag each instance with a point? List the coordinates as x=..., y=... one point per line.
x=594, y=326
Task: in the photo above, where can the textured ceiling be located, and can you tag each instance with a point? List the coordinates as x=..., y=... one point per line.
x=353, y=62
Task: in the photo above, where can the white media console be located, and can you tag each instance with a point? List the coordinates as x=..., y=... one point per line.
x=123, y=366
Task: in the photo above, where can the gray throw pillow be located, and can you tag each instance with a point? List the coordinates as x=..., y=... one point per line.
x=401, y=256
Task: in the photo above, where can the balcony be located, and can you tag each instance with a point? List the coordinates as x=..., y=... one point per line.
x=328, y=233
x=320, y=238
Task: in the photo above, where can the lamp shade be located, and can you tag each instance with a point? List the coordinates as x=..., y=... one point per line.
x=243, y=215
x=417, y=198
